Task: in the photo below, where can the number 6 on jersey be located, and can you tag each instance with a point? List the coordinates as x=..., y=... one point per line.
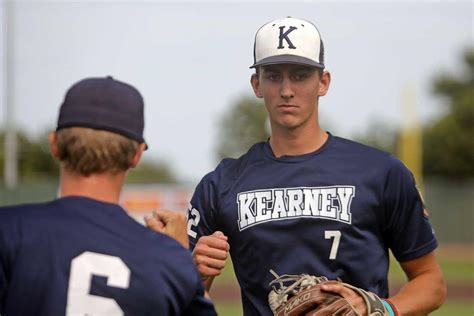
x=83, y=267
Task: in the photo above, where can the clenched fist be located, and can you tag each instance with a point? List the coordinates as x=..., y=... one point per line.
x=210, y=254
x=171, y=223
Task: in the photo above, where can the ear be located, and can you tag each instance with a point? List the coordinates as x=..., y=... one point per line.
x=255, y=82
x=138, y=155
x=324, y=83
x=53, y=145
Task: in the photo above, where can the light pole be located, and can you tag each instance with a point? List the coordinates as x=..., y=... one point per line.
x=10, y=144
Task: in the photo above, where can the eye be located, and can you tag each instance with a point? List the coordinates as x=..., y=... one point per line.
x=300, y=76
x=273, y=76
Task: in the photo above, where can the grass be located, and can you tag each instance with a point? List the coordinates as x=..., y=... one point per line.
x=452, y=308
x=227, y=274
x=456, y=269
x=226, y=308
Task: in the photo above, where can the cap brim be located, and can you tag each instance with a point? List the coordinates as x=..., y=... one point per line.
x=287, y=59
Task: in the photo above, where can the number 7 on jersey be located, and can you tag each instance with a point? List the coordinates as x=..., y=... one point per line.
x=336, y=234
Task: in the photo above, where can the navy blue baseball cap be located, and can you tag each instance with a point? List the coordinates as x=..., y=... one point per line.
x=104, y=104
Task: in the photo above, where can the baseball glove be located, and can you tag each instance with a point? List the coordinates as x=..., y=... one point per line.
x=303, y=296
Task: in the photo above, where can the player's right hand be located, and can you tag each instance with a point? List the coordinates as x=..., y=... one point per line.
x=171, y=223
x=210, y=254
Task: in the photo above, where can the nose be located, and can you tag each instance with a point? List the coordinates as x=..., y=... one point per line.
x=286, y=89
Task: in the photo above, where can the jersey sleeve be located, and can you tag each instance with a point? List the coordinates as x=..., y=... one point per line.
x=4, y=257
x=407, y=228
x=3, y=278
x=202, y=210
x=200, y=305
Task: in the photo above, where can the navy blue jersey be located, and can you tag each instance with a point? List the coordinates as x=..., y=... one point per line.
x=77, y=256
x=334, y=212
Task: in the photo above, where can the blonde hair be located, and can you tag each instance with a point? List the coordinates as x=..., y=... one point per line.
x=86, y=150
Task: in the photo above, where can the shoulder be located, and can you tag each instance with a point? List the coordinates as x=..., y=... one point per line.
x=384, y=167
x=16, y=219
x=36, y=213
x=231, y=168
x=13, y=209
x=358, y=148
x=19, y=211
x=366, y=154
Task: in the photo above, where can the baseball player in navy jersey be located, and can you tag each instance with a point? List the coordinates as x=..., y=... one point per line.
x=307, y=201
x=81, y=254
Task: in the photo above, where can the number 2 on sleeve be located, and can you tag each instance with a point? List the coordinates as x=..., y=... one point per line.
x=193, y=222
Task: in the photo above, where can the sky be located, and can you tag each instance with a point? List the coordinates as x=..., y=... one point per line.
x=190, y=60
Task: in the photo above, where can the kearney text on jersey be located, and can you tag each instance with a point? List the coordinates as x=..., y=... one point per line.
x=332, y=202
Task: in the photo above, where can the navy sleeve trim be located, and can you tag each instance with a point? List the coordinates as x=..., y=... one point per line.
x=419, y=252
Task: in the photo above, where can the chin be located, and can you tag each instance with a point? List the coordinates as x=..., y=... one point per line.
x=289, y=124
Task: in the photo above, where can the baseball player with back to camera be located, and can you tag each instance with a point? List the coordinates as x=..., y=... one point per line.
x=308, y=204
x=82, y=254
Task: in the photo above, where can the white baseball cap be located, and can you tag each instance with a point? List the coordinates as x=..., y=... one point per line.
x=288, y=40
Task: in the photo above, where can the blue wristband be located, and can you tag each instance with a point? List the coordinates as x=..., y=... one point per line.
x=388, y=307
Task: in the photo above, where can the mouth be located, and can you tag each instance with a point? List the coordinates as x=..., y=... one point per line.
x=287, y=106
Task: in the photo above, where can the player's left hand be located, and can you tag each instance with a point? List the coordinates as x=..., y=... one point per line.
x=356, y=301
x=171, y=223
x=312, y=295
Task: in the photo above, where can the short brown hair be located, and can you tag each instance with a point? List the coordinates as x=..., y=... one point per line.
x=87, y=150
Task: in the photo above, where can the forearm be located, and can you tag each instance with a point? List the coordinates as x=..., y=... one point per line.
x=421, y=295
x=207, y=282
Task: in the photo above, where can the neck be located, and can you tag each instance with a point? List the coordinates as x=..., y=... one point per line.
x=105, y=187
x=297, y=142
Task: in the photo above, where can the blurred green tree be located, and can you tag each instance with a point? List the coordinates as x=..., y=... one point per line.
x=449, y=141
x=35, y=163
x=34, y=159
x=379, y=134
x=151, y=172
x=244, y=124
